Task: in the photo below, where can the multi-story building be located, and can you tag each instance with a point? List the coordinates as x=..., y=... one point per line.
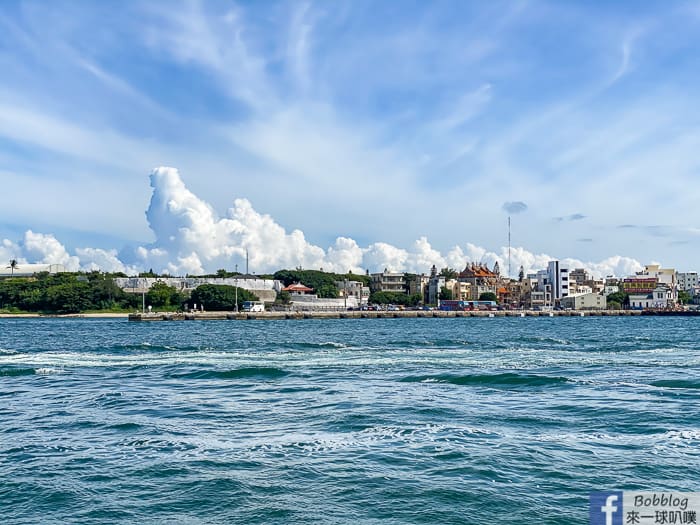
x=480, y=280
x=354, y=289
x=666, y=278
x=580, y=281
x=664, y=275
x=388, y=282
x=559, y=279
x=687, y=281
x=460, y=291
x=435, y=285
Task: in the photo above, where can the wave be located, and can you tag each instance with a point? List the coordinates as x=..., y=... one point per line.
x=17, y=372
x=545, y=340
x=307, y=345
x=503, y=380
x=693, y=384
x=429, y=343
x=256, y=372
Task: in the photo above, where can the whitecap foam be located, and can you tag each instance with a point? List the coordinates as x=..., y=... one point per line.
x=47, y=371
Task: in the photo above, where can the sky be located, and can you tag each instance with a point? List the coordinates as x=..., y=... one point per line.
x=356, y=135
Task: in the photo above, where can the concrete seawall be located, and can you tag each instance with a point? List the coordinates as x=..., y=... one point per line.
x=406, y=314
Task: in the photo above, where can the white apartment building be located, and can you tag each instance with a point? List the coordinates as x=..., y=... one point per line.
x=559, y=279
x=687, y=281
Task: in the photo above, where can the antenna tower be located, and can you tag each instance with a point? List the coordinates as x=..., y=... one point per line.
x=509, y=274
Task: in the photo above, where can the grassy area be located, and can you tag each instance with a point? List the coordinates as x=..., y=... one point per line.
x=13, y=310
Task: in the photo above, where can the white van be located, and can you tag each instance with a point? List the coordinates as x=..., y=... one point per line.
x=253, y=306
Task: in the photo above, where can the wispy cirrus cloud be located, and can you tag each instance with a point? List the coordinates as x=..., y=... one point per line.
x=389, y=123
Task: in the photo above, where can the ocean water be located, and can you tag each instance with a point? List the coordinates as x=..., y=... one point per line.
x=390, y=421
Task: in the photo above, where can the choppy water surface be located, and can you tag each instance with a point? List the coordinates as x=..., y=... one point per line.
x=343, y=421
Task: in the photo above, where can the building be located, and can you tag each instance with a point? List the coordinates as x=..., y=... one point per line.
x=687, y=281
x=298, y=289
x=664, y=275
x=639, y=286
x=587, y=301
x=516, y=293
x=311, y=302
x=417, y=284
x=388, y=282
x=580, y=281
x=660, y=297
x=460, y=291
x=265, y=289
x=559, y=279
x=480, y=279
x=435, y=285
x=653, y=287
x=354, y=289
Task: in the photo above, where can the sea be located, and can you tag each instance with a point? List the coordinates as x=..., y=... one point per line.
x=346, y=421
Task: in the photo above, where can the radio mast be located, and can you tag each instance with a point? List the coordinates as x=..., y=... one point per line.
x=509, y=274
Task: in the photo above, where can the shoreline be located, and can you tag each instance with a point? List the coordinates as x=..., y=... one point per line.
x=106, y=315
x=406, y=314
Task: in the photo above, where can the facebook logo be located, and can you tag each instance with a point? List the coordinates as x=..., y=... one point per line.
x=606, y=508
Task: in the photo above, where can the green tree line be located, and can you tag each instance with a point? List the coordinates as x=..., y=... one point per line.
x=64, y=293
x=67, y=293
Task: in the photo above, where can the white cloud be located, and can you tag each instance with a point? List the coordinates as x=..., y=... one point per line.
x=192, y=239
x=45, y=248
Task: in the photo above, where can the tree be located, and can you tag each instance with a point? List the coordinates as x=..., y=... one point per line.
x=445, y=294
x=327, y=291
x=395, y=298
x=216, y=297
x=449, y=273
x=13, y=266
x=684, y=297
x=284, y=298
x=488, y=296
x=68, y=298
x=620, y=298
x=160, y=294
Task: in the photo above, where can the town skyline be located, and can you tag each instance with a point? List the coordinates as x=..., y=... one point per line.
x=411, y=132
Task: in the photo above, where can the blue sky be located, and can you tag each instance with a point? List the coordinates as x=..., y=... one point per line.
x=377, y=122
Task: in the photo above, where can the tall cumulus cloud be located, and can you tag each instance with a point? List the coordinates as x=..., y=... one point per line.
x=191, y=238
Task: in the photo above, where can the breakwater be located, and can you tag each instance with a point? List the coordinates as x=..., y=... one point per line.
x=405, y=314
